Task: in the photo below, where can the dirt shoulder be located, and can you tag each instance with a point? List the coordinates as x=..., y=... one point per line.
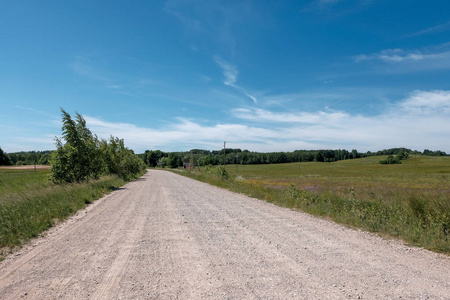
x=25, y=167
x=167, y=237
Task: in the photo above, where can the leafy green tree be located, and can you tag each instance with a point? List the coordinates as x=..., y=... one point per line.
x=173, y=160
x=120, y=160
x=4, y=159
x=390, y=160
x=151, y=158
x=402, y=155
x=44, y=158
x=319, y=156
x=79, y=158
x=354, y=154
x=163, y=162
x=110, y=152
x=434, y=153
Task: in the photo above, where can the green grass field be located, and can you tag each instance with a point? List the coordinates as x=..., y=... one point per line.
x=410, y=201
x=363, y=177
x=30, y=203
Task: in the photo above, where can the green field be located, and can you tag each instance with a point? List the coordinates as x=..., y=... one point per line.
x=30, y=203
x=410, y=201
x=363, y=177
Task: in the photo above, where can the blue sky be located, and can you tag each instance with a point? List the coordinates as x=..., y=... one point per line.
x=261, y=75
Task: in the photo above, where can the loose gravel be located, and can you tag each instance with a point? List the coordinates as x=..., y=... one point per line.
x=165, y=236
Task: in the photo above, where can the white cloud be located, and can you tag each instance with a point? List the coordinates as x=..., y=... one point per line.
x=264, y=116
x=423, y=102
x=420, y=121
x=183, y=132
x=260, y=115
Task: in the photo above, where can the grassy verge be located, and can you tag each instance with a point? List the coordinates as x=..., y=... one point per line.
x=409, y=201
x=30, y=203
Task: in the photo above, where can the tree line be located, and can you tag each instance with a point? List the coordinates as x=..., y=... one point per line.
x=200, y=157
x=25, y=158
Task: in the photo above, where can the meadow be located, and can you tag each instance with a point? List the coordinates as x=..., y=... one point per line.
x=30, y=202
x=410, y=201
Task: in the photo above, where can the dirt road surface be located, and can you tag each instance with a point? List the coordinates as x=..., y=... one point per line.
x=169, y=237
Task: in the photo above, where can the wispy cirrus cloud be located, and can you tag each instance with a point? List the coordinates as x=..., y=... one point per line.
x=319, y=5
x=408, y=61
x=327, y=2
x=116, y=82
x=230, y=72
x=434, y=29
x=218, y=22
x=83, y=67
x=336, y=8
x=396, y=55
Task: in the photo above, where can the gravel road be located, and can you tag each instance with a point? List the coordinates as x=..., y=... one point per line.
x=165, y=236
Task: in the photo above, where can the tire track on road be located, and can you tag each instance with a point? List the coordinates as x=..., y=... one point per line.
x=132, y=232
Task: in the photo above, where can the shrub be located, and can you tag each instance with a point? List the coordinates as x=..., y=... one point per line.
x=390, y=161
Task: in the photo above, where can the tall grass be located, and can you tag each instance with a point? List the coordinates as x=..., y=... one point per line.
x=410, y=201
x=30, y=203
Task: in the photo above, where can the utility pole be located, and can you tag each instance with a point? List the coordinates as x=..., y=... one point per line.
x=224, y=154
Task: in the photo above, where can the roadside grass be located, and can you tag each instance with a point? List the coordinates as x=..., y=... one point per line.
x=30, y=203
x=410, y=201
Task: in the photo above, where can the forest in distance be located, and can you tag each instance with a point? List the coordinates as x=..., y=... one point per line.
x=200, y=157
x=25, y=158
